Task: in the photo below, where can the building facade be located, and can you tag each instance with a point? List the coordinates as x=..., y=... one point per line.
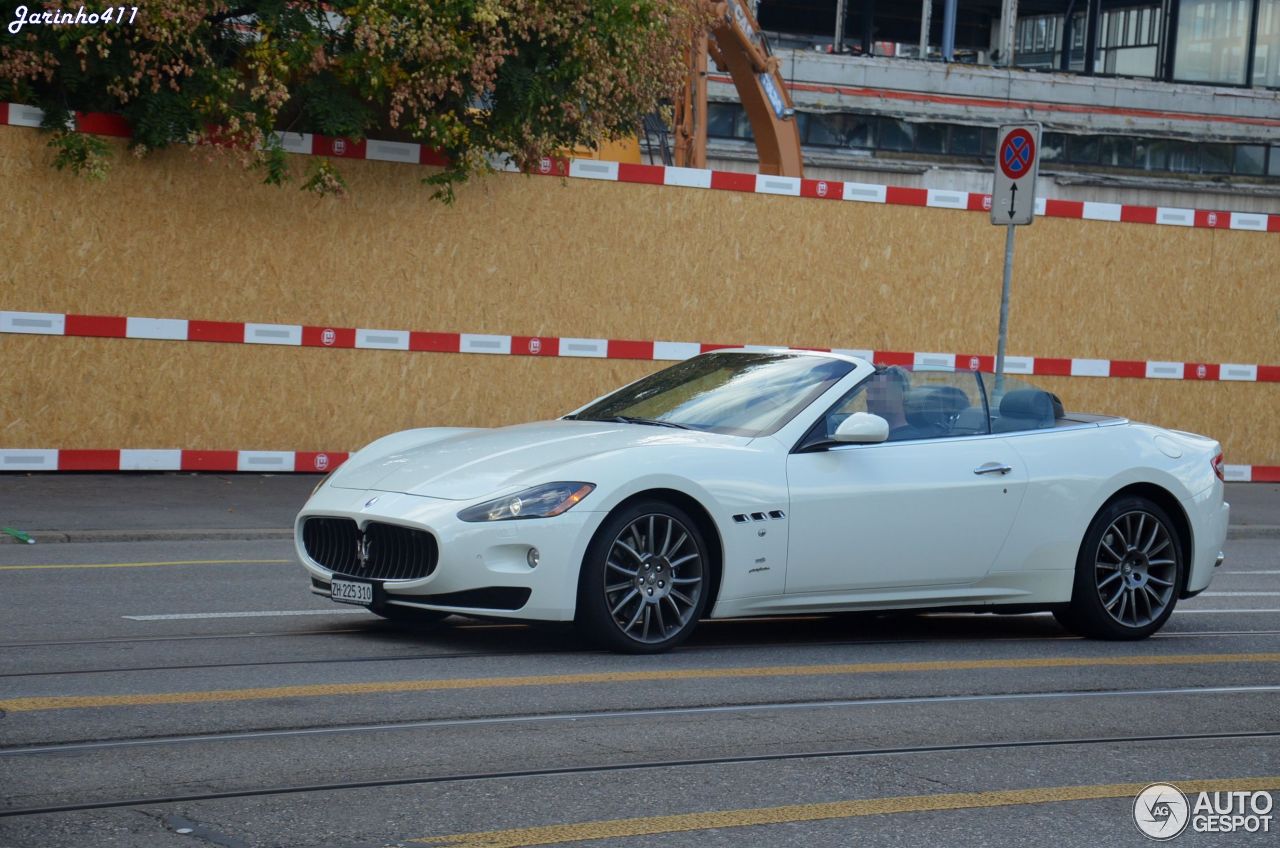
x=1174, y=103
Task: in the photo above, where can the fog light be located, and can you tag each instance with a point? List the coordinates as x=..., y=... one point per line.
x=532, y=557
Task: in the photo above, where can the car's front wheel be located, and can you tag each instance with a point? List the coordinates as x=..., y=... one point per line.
x=1128, y=573
x=644, y=579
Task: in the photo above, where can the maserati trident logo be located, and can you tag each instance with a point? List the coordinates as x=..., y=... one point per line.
x=362, y=552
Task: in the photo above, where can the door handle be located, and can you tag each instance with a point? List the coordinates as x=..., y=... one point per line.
x=993, y=468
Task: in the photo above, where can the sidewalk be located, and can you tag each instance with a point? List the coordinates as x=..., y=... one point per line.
x=173, y=506
x=71, y=507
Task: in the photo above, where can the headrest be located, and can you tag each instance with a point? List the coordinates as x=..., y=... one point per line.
x=1036, y=404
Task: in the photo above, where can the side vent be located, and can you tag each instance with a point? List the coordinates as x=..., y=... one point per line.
x=743, y=518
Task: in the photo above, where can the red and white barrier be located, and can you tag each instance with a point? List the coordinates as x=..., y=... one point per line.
x=308, y=144
x=236, y=332
x=288, y=462
x=258, y=462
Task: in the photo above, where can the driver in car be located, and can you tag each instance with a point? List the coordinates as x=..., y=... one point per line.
x=886, y=397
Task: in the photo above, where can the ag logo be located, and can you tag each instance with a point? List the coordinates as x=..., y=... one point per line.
x=1161, y=811
x=322, y=461
x=535, y=345
x=544, y=165
x=974, y=363
x=822, y=188
x=1201, y=372
x=1213, y=219
x=328, y=337
x=986, y=202
x=339, y=146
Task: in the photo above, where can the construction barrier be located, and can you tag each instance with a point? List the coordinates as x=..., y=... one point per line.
x=587, y=283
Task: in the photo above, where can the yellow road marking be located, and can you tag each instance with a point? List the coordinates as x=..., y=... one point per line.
x=33, y=704
x=623, y=828
x=143, y=564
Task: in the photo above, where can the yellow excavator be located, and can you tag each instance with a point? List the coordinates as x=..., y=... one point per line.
x=736, y=45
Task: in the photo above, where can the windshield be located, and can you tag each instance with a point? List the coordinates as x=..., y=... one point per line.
x=740, y=394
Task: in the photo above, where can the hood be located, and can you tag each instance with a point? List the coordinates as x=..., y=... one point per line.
x=474, y=463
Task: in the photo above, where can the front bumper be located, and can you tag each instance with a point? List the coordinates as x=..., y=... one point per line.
x=479, y=563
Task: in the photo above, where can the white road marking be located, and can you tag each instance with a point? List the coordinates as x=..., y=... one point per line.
x=1240, y=595
x=1251, y=572
x=264, y=614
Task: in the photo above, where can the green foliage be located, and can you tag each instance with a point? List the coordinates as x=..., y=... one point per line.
x=525, y=78
x=85, y=155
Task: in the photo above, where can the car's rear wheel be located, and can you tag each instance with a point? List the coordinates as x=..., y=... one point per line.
x=1128, y=573
x=644, y=579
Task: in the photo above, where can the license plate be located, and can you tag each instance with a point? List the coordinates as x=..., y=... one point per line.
x=350, y=592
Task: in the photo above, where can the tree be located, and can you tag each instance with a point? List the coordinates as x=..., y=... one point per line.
x=470, y=78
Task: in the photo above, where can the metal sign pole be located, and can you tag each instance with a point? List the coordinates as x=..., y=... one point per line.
x=1004, y=308
x=1013, y=204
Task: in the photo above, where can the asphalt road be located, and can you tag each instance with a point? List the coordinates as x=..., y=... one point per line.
x=194, y=693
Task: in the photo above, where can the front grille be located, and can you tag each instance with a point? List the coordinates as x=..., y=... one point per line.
x=392, y=552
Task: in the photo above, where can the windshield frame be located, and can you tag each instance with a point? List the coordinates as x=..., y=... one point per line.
x=607, y=408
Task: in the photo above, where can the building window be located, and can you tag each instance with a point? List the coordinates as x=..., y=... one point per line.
x=1150, y=155
x=1130, y=41
x=1250, y=159
x=966, y=141
x=728, y=120
x=1082, y=149
x=1266, y=56
x=931, y=138
x=1213, y=36
x=1052, y=147
x=1184, y=156
x=896, y=135
x=1086, y=152
x=1115, y=151
x=1215, y=158
x=841, y=130
x=989, y=143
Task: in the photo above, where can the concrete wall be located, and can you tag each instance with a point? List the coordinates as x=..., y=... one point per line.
x=176, y=237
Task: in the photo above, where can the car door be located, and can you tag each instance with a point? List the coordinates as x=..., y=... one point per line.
x=932, y=506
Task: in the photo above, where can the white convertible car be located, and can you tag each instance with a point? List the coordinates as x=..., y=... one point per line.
x=744, y=483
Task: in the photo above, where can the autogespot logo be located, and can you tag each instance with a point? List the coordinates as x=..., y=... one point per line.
x=1161, y=811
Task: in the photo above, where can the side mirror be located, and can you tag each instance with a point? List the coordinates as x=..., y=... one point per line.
x=862, y=428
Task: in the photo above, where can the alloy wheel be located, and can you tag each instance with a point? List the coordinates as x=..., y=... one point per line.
x=653, y=578
x=1135, y=568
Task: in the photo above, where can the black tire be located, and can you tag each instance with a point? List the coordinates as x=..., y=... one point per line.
x=1129, y=572
x=644, y=579
x=414, y=619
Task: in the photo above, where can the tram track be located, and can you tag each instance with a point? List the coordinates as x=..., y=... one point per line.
x=246, y=734
x=636, y=765
x=531, y=652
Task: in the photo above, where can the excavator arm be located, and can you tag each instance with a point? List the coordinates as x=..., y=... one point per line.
x=735, y=43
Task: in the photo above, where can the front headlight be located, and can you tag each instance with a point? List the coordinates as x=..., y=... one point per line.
x=539, y=502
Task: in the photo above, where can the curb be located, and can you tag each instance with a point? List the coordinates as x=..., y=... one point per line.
x=1254, y=531
x=1234, y=533
x=237, y=535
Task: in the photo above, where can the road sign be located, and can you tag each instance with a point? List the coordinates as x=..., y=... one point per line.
x=1013, y=197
